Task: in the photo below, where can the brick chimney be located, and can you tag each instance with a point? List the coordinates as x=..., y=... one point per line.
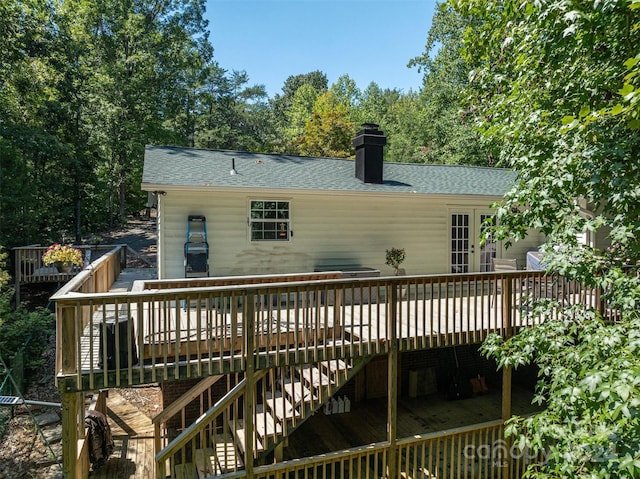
x=369, y=143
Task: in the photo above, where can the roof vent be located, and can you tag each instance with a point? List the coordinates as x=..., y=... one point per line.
x=369, y=143
x=233, y=171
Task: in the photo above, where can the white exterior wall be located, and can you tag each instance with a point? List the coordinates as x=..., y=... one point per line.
x=328, y=229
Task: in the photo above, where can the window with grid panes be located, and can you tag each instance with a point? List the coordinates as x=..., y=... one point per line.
x=269, y=220
x=460, y=243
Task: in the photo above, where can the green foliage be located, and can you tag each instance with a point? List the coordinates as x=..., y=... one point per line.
x=28, y=330
x=590, y=426
x=4, y=276
x=554, y=84
x=20, y=328
x=328, y=131
x=443, y=131
x=394, y=257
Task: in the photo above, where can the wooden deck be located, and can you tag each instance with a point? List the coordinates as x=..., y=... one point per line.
x=365, y=424
x=367, y=421
x=172, y=330
x=132, y=433
x=195, y=331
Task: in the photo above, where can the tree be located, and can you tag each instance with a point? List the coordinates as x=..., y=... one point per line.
x=229, y=114
x=557, y=84
x=328, y=132
x=375, y=104
x=298, y=115
x=281, y=105
x=446, y=134
x=39, y=186
x=146, y=58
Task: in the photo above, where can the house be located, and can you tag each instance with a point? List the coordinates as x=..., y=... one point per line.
x=274, y=336
x=273, y=214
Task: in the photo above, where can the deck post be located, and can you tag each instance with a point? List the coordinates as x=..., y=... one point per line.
x=507, y=327
x=68, y=339
x=249, y=389
x=392, y=401
x=17, y=265
x=70, y=437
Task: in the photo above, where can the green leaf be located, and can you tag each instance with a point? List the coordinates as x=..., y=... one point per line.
x=631, y=62
x=616, y=110
x=584, y=111
x=628, y=88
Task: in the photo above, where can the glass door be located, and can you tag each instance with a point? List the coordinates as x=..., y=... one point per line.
x=489, y=249
x=465, y=229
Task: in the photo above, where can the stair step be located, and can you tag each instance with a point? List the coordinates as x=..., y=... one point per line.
x=265, y=425
x=224, y=457
x=314, y=377
x=205, y=461
x=297, y=392
x=185, y=471
x=240, y=434
x=280, y=406
x=337, y=342
x=333, y=366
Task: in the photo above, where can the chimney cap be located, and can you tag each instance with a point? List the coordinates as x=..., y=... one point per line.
x=370, y=129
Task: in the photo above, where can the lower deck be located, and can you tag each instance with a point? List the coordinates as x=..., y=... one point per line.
x=365, y=424
x=367, y=421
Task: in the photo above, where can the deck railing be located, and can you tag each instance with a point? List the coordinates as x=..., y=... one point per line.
x=29, y=267
x=477, y=451
x=162, y=332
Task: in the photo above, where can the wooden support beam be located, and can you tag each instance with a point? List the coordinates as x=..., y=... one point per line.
x=68, y=341
x=507, y=318
x=70, y=436
x=250, y=387
x=392, y=402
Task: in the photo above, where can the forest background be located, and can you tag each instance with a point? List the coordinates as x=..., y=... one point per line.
x=552, y=86
x=84, y=86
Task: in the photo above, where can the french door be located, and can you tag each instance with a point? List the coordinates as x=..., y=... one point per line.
x=466, y=253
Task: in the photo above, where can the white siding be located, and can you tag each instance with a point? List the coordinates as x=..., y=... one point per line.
x=327, y=230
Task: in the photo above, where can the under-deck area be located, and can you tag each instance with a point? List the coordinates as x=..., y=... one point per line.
x=367, y=421
x=365, y=424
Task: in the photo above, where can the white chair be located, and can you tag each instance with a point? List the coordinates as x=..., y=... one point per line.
x=502, y=265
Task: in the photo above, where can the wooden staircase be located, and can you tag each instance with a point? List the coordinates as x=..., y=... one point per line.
x=284, y=398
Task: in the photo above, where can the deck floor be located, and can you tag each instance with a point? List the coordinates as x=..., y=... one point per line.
x=132, y=433
x=367, y=421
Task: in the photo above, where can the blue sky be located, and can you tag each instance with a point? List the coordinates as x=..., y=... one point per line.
x=370, y=40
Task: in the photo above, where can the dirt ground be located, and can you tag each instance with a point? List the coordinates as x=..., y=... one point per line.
x=24, y=454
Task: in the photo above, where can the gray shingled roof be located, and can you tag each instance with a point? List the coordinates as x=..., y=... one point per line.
x=168, y=167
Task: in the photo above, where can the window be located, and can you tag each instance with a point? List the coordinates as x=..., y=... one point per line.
x=269, y=221
x=459, y=243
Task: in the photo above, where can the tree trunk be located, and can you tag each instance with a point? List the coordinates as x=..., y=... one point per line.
x=122, y=188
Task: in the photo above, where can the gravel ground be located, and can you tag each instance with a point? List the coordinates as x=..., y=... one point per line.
x=23, y=452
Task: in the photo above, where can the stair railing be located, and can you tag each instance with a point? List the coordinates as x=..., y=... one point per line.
x=201, y=392
x=182, y=450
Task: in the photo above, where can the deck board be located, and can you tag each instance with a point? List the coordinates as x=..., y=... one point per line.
x=132, y=433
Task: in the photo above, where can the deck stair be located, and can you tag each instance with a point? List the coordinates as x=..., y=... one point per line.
x=284, y=399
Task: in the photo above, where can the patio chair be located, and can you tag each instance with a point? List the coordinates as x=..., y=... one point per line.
x=502, y=265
